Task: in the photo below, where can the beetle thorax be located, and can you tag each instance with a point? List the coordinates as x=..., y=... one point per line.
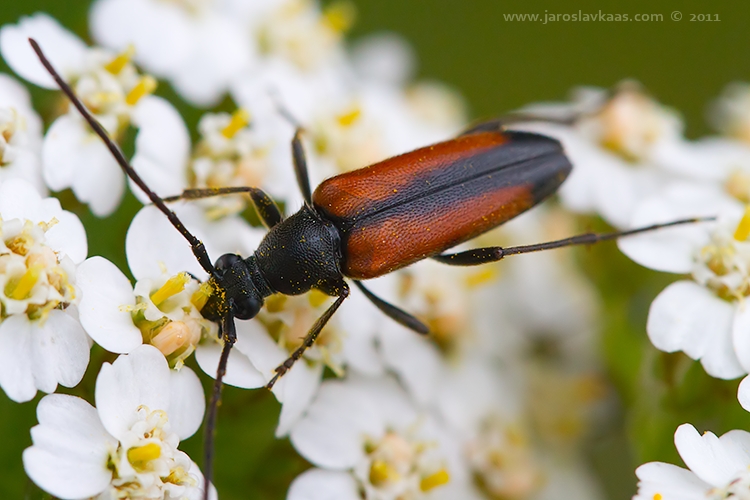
x=301, y=253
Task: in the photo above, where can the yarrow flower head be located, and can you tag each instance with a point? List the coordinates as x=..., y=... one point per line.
x=193, y=43
x=368, y=432
x=20, y=135
x=717, y=468
x=41, y=341
x=110, y=87
x=624, y=147
x=126, y=447
x=705, y=317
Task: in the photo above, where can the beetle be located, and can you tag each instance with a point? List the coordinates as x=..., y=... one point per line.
x=370, y=222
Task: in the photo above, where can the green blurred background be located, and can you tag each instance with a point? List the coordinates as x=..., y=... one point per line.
x=497, y=65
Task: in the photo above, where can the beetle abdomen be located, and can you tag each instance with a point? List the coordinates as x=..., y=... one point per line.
x=404, y=209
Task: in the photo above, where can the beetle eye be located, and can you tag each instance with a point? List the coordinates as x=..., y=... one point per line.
x=226, y=261
x=246, y=307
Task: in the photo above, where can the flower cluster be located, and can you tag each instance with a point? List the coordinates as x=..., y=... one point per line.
x=498, y=402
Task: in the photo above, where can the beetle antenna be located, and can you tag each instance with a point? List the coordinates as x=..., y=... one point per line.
x=229, y=335
x=197, y=246
x=478, y=256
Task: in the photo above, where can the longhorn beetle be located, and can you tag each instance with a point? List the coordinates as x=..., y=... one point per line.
x=370, y=222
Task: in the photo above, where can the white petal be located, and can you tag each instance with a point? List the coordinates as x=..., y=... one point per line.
x=68, y=236
x=741, y=334
x=139, y=378
x=16, y=377
x=709, y=458
x=105, y=291
x=220, y=51
x=332, y=433
x=669, y=481
x=673, y=249
x=159, y=31
x=65, y=51
x=162, y=147
x=687, y=317
x=187, y=402
x=71, y=448
x=319, y=484
x=299, y=388
x=743, y=393
x=59, y=351
x=74, y=157
x=240, y=371
x=415, y=359
x=59, y=152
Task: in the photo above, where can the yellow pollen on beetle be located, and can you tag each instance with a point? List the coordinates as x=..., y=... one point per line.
x=432, y=481
x=743, y=228
x=240, y=119
x=381, y=472
x=172, y=287
x=139, y=456
x=347, y=119
x=146, y=85
x=339, y=16
x=21, y=288
x=118, y=63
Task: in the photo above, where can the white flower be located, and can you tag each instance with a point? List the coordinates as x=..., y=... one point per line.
x=20, y=135
x=155, y=251
x=42, y=344
x=718, y=468
x=374, y=444
x=192, y=43
x=231, y=151
x=622, y=147
x=163, y=312
x=705, y=317
x=126, y=447
x=110, y=87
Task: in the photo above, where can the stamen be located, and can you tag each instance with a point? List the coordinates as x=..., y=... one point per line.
x=348, y=119
x=145, y=86
x=382, y=472
x=20, y=289
x=340, y=16
x=432, y=481
x=172, y=287
x=743, y=228
x=240, y=119
x=116, y=65
x=139, y=456
x=200, y=297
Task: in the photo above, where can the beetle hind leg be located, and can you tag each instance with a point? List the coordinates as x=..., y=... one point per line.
x=398, y=315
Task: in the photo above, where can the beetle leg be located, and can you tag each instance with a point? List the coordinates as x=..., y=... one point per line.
x=501, y=123
x=400, y=316
x=229, y=335
x=485, y=255
x=300, y=166
x=310, y=338
x=267, y=210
